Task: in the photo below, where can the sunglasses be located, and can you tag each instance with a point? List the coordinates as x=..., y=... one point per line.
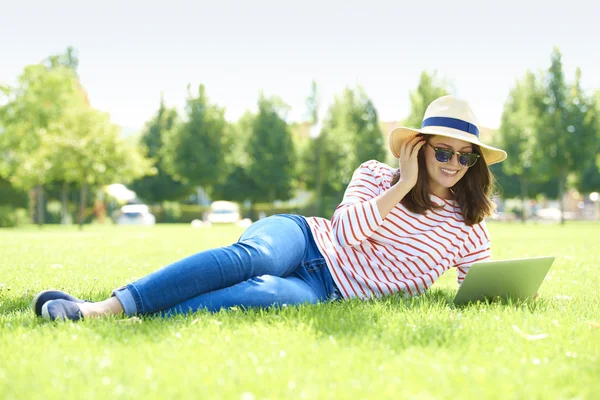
x=445, y=155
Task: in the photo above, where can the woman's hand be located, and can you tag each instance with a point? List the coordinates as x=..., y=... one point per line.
x=409, y=167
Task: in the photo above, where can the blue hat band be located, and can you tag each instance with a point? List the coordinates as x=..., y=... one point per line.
x=453, y=123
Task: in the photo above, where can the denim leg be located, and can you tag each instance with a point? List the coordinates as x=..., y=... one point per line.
x=310, y=283
x=261, y=291
x=272, y=246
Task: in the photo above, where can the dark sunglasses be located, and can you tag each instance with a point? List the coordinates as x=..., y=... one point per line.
x=445, y=155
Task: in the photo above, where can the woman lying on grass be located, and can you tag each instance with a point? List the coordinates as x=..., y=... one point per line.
x=396, y=230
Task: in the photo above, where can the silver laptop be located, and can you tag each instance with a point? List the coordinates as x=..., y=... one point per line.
x=517, y=279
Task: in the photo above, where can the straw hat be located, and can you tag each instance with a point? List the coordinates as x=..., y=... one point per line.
x=452, y=117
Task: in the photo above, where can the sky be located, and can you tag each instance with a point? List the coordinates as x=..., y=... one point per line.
x=132, y=51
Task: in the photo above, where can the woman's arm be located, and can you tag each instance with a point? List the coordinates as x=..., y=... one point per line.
x=409, y=172
x=365, y=205
x=387, y=200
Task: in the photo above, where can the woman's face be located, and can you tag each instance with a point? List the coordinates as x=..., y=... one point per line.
x=443, y=176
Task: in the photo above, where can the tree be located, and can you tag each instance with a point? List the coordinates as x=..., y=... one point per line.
x=589, y=181
x=90, y=152
x=161, y=186
x=349, y=136
x=238, y=184
x=430, y=87
x=313, y=104
x=41, y=97
x=583, y=124
x=566, y=136
x=272, y=158
x=69, y=59
x=368, y=140
x=517, y=133
x=11, y=196
x=194, y=152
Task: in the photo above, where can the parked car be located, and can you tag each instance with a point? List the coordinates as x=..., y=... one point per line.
x=136, y=214
x=223, y=212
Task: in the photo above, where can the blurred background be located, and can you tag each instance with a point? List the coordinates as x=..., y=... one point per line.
x=219, y=112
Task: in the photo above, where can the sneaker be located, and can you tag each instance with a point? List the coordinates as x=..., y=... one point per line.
x=42, y=297
x=61, y=309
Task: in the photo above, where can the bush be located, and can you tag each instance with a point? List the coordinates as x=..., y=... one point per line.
x=171, y=211
x=11, y=217
x=53, y=212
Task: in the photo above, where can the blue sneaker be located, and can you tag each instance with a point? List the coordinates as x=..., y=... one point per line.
x=42, y=297
x=61, y=309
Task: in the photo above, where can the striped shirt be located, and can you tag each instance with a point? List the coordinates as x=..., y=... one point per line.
x=369, y=256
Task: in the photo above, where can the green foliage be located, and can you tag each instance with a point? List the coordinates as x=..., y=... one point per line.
x=161, y=185
x=271, y=153
x=39, y=100
x=9, y=195
x=518, y=137
x=550, y=132
x=589, y=180
x=194, y=151
x=584, y=133
x=350, y=136
x=8, y=217
x=11, y=216
x=69, y=59
x=517, y=133
x=50, y=133
x=430, y=87
x=567, y=133
x=238, y=183
x=509, y=186
x=369, y=141
x=86, y=148
x=171, y=211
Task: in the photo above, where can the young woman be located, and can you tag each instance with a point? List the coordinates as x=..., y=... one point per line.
x=396, y=230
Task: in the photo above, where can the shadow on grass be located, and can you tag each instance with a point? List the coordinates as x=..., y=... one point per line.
x=12, y=302
x=431, y=319
x=394, y=321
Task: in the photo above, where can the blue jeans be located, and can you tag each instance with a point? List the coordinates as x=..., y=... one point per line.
x=274, y=262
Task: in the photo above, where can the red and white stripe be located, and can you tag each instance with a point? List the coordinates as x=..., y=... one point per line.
x=406, y=252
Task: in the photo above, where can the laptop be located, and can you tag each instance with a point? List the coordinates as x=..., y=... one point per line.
x=517, y=279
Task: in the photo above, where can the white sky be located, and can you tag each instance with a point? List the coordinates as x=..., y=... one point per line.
x=131, y=51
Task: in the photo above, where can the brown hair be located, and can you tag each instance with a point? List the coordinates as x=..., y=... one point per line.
x=472, y=192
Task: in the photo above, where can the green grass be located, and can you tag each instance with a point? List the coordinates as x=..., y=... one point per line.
x=393, y=348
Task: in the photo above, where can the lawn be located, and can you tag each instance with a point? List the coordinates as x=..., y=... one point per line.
x=393, y=348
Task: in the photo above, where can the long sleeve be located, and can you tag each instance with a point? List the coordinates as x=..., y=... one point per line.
x=477, y=248
x=357, y=216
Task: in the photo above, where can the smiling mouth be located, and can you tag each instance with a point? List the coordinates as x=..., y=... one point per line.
x=449, y=171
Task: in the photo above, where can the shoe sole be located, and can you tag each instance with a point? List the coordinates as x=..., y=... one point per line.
x=45, y=314
x=37, y=298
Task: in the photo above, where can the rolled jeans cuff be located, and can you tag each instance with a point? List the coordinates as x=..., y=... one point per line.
x=123, y=294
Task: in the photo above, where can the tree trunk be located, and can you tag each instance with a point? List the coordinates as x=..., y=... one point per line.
x=41, y=210
x=561, y=195
x=523, y=184
x=82, y=201
x=65, y=203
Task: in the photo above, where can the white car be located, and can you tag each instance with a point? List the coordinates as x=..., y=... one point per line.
x=223, y=212
x=136, y=214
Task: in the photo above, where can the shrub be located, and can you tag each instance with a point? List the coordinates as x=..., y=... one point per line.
x=11, y=217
